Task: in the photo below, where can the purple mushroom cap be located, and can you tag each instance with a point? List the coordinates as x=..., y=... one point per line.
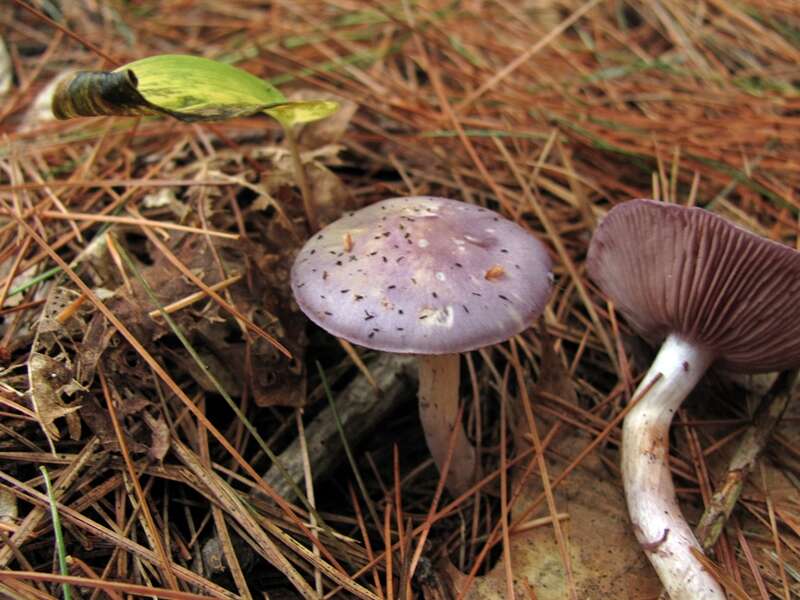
x=672, y=269
x=422, y=275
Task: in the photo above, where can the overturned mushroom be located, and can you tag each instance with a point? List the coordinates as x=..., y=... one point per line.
x=712, y=293
x=428, y=276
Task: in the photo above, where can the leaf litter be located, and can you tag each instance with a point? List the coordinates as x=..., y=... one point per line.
x=499, y=106
x=605, y=558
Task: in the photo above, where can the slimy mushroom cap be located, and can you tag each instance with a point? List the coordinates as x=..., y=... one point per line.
x=422, y=275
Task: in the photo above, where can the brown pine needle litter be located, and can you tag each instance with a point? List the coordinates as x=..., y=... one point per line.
x=548, y=112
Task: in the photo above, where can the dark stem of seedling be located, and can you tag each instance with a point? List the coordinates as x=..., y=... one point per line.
x=301, y=179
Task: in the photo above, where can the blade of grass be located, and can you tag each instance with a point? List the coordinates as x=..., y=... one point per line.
x=66, y=478
x=61, y=549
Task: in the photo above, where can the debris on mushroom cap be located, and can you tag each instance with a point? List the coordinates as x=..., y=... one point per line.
x=672, y=269
x=414, y=279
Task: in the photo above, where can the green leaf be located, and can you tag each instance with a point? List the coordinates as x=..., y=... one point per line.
x=189, y=88
x=294, y=113
x=200, y=88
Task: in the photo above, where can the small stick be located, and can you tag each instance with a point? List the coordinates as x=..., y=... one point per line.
x=192, y=298
x=361, y=410
x=767, y=416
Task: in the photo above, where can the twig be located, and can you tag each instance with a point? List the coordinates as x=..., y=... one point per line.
x=767, y=416
x=360, y=408
x=192, y=298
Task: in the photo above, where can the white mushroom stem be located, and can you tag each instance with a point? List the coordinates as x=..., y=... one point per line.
x=657, y=520
x=438, y=412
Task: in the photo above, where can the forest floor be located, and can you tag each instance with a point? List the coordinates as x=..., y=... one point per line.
x=160, y=436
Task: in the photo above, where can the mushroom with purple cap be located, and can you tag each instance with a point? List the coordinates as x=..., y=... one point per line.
x=710, y=292
x=429, y=276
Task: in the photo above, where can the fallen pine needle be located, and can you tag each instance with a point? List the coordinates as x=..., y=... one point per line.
x=192, y=298
x=120, y=220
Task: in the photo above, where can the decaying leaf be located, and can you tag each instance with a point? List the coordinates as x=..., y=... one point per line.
x=166, y=198
x=159, y=430
x=98, y=420
x=188, y=88
x=331, y=196
x=214, y=556
x=50, y=371
x=58, y=300
x=160, y=443
x=95, y=340
x=49, y=381
x=235, y=357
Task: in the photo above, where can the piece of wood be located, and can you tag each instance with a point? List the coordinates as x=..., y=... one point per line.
x=361, y=408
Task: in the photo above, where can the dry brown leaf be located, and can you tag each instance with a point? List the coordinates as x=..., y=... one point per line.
x=96, y=338
x=606, y=559
x=331, y=196
x=160, y=437
x=234, y=358
x=50, y=371
x=49, y=380
x=98, y=419
x=167, y=198
x=57, y=300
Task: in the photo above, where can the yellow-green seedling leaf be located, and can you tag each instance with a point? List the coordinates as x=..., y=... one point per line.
x=294, y=113
x=189, y=88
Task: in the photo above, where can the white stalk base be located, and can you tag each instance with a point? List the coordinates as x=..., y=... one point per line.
x=657, y=520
